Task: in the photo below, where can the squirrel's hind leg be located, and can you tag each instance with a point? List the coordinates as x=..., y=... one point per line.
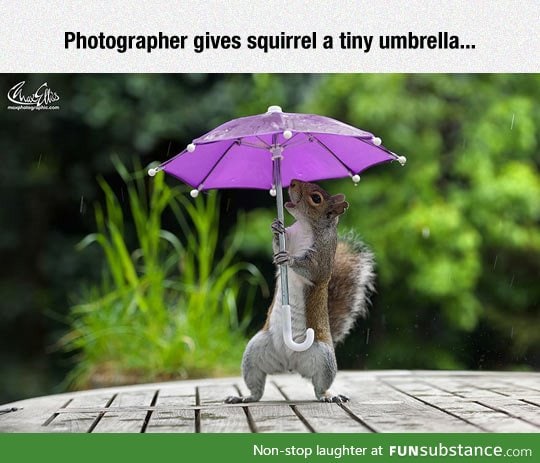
x=325, y=374
x=254, y=376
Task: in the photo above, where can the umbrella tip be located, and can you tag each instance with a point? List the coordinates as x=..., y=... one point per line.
x=152, y=171
x=402, y=160
x=274, y=109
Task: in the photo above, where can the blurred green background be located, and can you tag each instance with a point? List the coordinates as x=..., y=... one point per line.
x=162, y=286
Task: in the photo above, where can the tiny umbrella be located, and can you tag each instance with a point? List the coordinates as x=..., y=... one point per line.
x=267, y=151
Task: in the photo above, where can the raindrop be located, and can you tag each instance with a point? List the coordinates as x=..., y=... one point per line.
x=39, y=161
x=495, y=263
x=228, y=206
x=512, y=123
x=512, y=280
x=81, y=207
x=426, y=232
x=512, y=333
x=122, y=193
x=367, y=336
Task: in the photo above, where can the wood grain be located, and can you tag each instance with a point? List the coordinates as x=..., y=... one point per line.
x=381, y=401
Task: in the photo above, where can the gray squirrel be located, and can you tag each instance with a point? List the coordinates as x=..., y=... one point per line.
x=330, y=281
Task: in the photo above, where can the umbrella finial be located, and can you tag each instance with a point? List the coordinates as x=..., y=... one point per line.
x=191, y=147
x=274, y=109
x=376, y=141
x=355, y=178
x=402, y=160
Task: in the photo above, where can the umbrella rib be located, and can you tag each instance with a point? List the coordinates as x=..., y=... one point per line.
x=266, y=145
x=288, y=142
x=254, y=145
x=217, y=162
x=386, y=150
x=331, y=152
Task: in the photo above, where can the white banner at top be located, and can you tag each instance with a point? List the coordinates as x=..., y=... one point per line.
x=270, y=36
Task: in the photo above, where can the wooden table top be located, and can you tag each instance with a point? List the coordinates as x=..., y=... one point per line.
x=381, y=401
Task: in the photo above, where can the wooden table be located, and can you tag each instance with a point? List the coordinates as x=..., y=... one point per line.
x=381, y=401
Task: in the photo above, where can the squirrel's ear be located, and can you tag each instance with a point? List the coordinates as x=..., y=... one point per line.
x=339, y=198
x=337, y=209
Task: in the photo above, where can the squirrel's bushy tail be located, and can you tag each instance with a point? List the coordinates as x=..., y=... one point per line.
x=350, y=286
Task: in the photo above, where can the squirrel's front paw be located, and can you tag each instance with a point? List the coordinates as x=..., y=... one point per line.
x=278, y=227
x=282, y=258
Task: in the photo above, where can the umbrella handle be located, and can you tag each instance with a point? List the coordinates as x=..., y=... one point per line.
x=287, y=329
x=287, y=333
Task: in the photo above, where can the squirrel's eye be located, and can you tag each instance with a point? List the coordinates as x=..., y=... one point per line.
x=316, y=198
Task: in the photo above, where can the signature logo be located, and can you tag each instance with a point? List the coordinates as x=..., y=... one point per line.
x=40, y=99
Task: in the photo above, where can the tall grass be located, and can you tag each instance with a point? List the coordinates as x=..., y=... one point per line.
x=167, y=304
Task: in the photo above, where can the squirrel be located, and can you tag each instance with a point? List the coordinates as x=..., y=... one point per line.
x=330, y=281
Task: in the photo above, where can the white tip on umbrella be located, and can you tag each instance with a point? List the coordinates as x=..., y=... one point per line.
x=195, y=192
x=402, y=160
x=287, y=134
x=376, y=141
x=274, y=109
x=152, y=171
x=272, y=192
x=355, y=178
x=191, y=147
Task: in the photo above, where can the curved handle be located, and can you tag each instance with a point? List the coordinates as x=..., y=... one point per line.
x=287, y=333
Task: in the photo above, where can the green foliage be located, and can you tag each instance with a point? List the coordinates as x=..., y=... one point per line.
x=455, y=232
x=166, y=307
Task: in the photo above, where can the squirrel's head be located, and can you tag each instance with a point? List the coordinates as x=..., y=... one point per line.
x=310, y=202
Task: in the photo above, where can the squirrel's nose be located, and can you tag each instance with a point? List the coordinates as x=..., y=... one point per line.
x=294, y=183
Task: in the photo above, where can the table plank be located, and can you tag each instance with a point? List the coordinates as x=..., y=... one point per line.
x=170, y=421
x=220, y=418
x=273, y=414
x=516, y=408
x=467, y=405
x=322, y=417
x=381, y=401
x=116, y=419
x=32, y=414
x=386, y=407
x=78, y=421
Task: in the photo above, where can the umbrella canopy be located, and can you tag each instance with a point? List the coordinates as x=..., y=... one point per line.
x=269, y=150
x=238, y=154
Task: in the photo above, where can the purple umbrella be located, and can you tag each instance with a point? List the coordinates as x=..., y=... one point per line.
x=266, y=152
